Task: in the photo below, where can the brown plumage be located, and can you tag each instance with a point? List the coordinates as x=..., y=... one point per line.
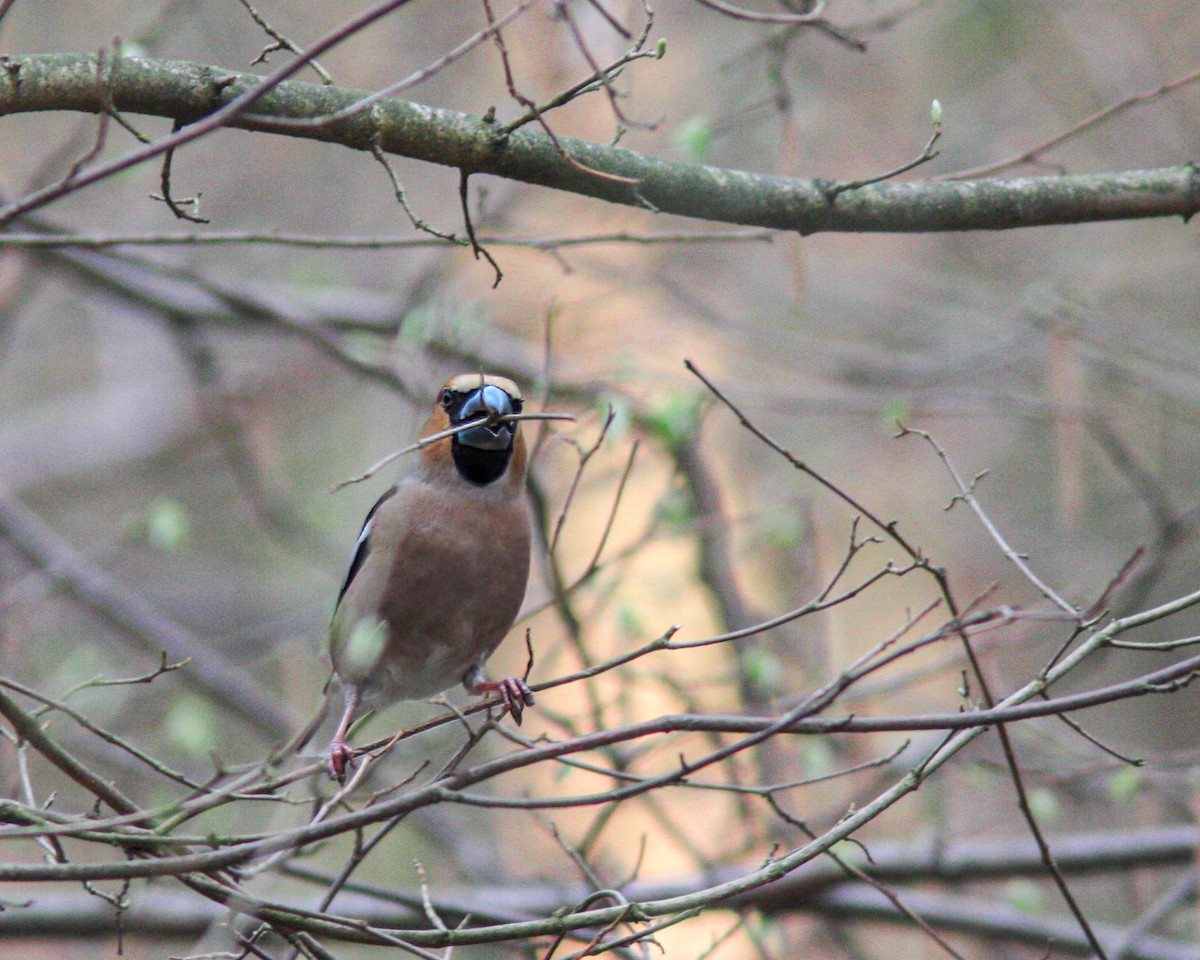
x=439, y=570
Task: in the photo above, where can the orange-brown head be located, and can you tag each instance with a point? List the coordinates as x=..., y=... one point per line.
x=491, y=453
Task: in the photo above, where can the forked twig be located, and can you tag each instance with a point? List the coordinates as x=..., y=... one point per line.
x=966, y=493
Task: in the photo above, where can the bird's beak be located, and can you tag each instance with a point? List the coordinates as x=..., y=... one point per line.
x=491, y=402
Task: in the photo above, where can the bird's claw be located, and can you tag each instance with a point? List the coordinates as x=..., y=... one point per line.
x=514, y=693
x=341, y=758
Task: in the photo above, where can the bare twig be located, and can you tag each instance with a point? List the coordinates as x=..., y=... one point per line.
x=281, y=43
x=812, y=13
x=209, y=669
x=498, y=39
x=166, y=197
x=1033, y=153
x=218, y=118
x=966, y=493
x=220, y=238
x=414, y=79
x=926, y=154
x=476, y=248
x=441, y=435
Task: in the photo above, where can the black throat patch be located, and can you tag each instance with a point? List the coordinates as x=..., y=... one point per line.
x=480, y=467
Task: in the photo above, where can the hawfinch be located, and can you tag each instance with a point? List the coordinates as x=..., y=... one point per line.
x=438, y=573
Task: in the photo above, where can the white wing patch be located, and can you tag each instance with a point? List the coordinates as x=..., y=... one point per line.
x=362, y=546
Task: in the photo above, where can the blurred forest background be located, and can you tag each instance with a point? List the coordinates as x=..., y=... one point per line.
x=174, y=414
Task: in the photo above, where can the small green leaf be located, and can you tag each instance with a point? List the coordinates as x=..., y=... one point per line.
x=764, y=673
x=418, y=326
x=676, y=508
x=676, y=418
x=1025, y=895
x=849, y=851
x=311, y=274
x=1044, y=805
x=896, y=411
x=629, y=621
x=694, y=138
x=783, y=526
x=935, y=113
x=464, y=326
x=168, y=525
x=660, y=50
x=1124, y=784
x=191, y=725
x=817, y=757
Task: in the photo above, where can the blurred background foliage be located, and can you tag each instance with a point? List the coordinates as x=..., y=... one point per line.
x=189, y=453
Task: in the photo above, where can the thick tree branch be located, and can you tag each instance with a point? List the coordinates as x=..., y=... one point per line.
x=187, y=92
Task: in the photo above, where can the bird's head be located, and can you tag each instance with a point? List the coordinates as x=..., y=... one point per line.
x=492, y=449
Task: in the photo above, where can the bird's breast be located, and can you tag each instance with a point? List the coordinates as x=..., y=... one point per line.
x=444, y=581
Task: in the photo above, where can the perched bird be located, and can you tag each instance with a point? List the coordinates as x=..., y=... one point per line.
x=439, y=571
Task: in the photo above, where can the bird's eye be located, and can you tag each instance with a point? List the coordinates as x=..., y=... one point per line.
x=447, y=398
x=517, y=405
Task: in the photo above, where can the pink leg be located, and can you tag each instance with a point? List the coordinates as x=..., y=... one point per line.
x=341, y=754
x=514, y=691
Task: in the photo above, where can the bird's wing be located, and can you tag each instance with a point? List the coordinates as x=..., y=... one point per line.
x=362, y=546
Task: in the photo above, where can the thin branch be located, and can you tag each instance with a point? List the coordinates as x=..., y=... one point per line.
x=559, y=145
x=926, y=154
x=219, y=238
x=165, y=185
x=367, y=102
x=476, y=248
x=858, y=873
x=223, y=116
x=209, y=669
x=152, y=762
x=1031, y=155
x=602, y=75
x=30, y=730
x=966, y=493
x=814, y=12
x=1033, y=689
x=985, y=918
x=442, y=435
x=1174, y=897
x=584, y=457
x=402, y=197
x=281, y=43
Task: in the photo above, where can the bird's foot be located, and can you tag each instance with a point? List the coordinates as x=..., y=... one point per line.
x=514, y=692
x=341, y=759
